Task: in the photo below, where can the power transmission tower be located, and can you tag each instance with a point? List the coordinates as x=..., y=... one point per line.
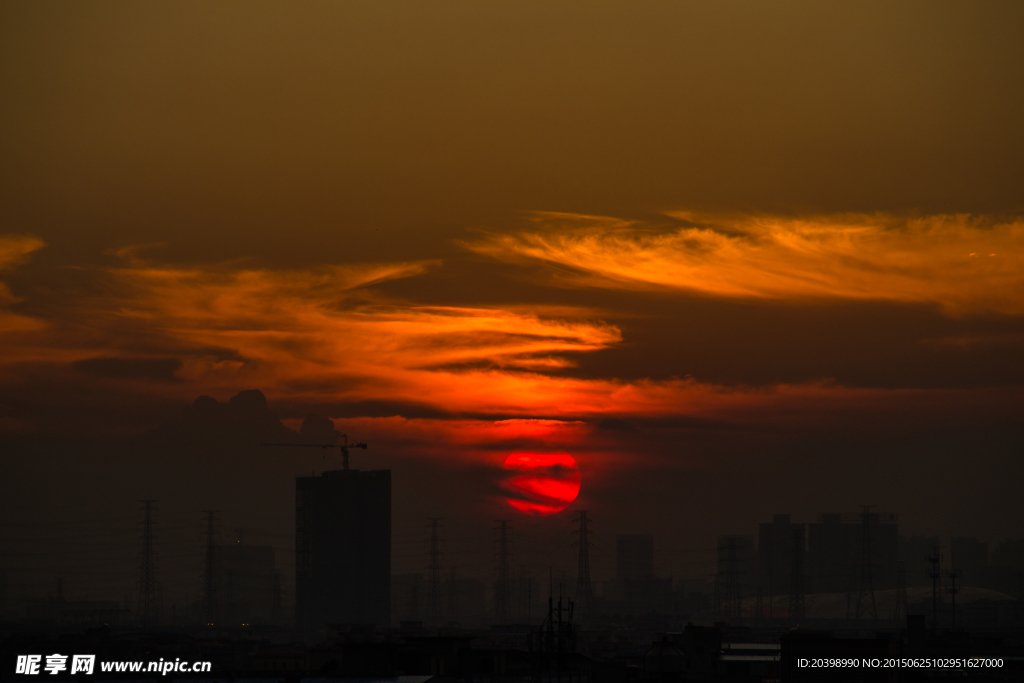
x=434, y=572
x=935, y=559
x=148, y=604
x=584, y=589
x=866, y=588
x=953, y=575
x=210, y=616
x=501, y=588
x=796, y=577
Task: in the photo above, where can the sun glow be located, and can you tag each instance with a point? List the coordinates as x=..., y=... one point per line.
x=541, y=483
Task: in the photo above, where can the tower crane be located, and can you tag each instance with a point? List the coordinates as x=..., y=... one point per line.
x=343, y=447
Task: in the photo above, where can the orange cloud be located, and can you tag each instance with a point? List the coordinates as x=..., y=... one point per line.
x=316, y=334
x=14, y=251
x=964, y=264
x=322, y=336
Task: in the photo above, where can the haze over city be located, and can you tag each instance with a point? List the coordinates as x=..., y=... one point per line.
x=711, y=262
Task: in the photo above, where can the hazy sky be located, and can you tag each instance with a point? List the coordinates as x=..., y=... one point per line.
x=736, y=258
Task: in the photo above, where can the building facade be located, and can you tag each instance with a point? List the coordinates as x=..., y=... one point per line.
x=343, y=548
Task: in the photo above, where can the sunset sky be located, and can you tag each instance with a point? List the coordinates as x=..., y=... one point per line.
x=734, y=258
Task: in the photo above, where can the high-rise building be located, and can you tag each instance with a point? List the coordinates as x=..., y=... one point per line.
x=843, y=551
x=343, y=548
x=832, y=555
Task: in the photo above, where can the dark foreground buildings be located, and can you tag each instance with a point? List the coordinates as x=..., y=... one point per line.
x=343, y=548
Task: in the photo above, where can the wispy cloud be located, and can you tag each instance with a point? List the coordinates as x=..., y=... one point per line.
x=962, y=263
x=318, y=335
x=14, y=251
x=326, y=336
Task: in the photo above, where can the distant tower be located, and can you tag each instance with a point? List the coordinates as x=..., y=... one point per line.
x=148, y=605
x=584, y=589
x=501, y=588
x=866, y=585
x=796, y=578
x=210, y=616
x=434, y=572
x=935, y=559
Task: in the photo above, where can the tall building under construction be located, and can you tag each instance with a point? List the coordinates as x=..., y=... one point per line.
x=343, y=548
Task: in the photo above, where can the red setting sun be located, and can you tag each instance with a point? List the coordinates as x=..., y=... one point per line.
x=541, y=483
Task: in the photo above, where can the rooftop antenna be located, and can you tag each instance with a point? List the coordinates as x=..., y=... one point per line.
x=343, y=447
